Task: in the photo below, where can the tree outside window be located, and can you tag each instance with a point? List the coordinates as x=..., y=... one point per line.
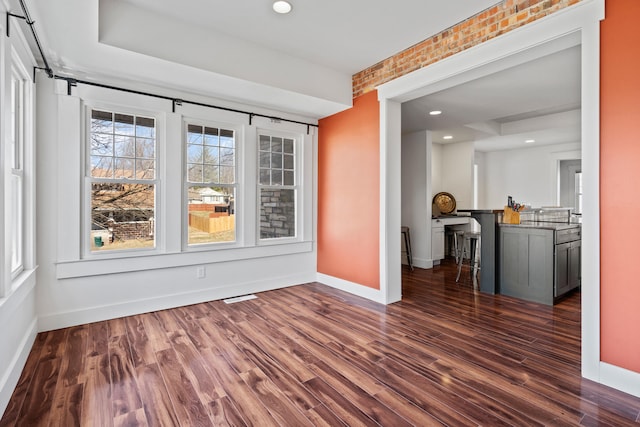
x=123, y=183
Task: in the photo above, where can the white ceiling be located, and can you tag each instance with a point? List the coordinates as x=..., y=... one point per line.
x=237, y=50
x=537, y=100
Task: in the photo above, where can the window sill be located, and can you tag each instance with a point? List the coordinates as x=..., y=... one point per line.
x=98, y=267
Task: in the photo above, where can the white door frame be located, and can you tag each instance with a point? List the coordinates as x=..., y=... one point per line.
x=575, y=25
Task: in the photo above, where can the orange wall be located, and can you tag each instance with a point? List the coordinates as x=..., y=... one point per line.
x=349, y=193
x=619, y=180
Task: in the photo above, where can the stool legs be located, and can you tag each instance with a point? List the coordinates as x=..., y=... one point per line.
x=407, y=245
x=474, y=257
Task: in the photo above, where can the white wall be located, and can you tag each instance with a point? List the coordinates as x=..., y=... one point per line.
x=456, y=172
x=529, y=175
x=72, y=290
x=18, y=317
x=416, y=195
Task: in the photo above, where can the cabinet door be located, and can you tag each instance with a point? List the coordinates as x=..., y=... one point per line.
x=437, y=243
x=562, y=284
x=574, y=271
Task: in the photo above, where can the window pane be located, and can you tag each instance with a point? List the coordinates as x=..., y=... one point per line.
x=218, y=150
x=101, y=167
x=265, y=160
x=145, y=127
x=194, y=172
x=288, y=146
x=288, y=161
x=211, y=215
x=227, y=175
x=265, y=176
x=145, y=148
x=124, y=168
x=276, y=161
x=277, y=213
x=122, y=217
x=15, y=219
x=289, y=178
x=125, y=146
x=211, y=173
x=124, y=124
x=194, y=153
x=276, y=177
x=227, y=156
x=265, y=143
x=211, y=155
x=101, y=144
x=194, y=134
x=101, y=121
x=276, y=145
x=145, y=169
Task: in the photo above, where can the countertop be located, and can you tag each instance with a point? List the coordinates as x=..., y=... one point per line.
x=543, y=225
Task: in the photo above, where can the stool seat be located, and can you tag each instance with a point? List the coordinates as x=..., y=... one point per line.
x=474, y=253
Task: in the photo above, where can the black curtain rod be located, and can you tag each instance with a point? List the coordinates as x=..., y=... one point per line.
x=71, y=82
x=175, y=101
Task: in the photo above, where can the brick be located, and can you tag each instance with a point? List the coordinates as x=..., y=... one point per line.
x=487, y=24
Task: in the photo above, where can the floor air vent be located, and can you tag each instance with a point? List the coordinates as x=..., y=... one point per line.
x=240, y=298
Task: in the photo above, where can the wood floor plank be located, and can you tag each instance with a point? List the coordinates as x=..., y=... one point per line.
x=158, y=408
x=96, y=404
x=315, y=355
x=189, y=409
x=124, y=389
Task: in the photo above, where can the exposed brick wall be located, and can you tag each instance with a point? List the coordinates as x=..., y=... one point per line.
x=490, y=23
x=141, y=230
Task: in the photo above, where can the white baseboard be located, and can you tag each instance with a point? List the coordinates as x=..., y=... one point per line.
x=351, y=287
x=128, y=308
x=421, y=263
x=11, y=374
x=620, y=379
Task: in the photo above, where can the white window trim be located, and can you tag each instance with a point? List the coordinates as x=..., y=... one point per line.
x=85, y=196
x=170, y=251
x=298, y=187
x=239, y=185
x=15, y=59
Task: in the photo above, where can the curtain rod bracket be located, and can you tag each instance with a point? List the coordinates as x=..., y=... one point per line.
x=176, y=102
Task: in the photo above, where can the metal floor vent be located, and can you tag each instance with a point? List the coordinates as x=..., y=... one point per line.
x=240, y=298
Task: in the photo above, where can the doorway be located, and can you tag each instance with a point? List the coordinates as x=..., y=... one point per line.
x=578, y=26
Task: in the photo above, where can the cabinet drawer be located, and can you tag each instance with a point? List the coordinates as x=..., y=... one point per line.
x=568, y=235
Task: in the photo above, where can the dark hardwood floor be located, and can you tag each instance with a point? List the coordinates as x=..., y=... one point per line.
x=312, y=355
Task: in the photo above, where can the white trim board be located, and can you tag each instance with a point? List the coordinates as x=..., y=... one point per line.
x=127, y=308
x=351, y=287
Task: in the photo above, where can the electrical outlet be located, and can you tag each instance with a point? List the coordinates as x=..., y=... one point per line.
x=201, y=272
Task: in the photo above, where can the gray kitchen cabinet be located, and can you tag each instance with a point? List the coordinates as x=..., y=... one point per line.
x=535, y=266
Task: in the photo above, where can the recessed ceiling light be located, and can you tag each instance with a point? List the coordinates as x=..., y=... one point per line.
x=447, y=137
x=435, y=112
x=282, y=7
x=529, y=141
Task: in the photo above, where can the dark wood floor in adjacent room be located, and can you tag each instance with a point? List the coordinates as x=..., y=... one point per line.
x=312, y=355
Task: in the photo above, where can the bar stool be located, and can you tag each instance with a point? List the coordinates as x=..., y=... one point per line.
x=474, y=252
x=454, y=236
x=407, y=244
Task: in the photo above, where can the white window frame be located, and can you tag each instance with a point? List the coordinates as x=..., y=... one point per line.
x=85, y=232
x=299, y=189
x=17, y=211
x=238, y=185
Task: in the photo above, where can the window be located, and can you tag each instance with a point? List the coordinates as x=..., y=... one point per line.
x=578, y=186
x=277, y=186
x=123, y=183
x=211, y=184
x=16, y=161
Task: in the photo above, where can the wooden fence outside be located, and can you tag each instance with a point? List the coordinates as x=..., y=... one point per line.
x=212, y=225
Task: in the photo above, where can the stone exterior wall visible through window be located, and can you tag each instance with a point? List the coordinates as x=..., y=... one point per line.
x=277, y=213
